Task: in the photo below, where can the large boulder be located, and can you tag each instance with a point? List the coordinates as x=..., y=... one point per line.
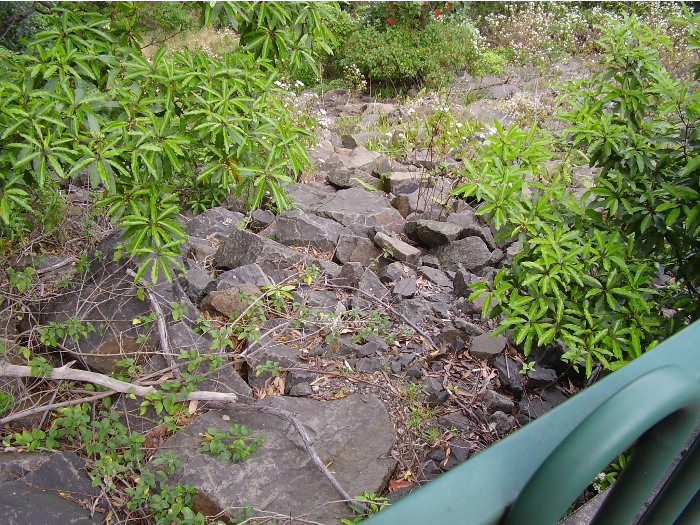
x=362, y=211
x=243, y=247
x=215, y=220
x=353, y=434
x=296, y=228
x=471, y=252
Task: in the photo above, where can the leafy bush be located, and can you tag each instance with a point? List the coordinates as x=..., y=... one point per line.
x=151, y=134
x=585, y=271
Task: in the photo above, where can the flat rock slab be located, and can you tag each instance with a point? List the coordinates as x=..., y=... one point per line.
x=353, y=435
x=362, y=211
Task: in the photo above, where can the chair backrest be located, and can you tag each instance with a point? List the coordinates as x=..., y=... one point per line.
x=534, y=475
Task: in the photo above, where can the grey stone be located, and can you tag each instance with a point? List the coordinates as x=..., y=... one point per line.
x=400, y=250
x=197, y=283
x=242, y=247
x=362, y=211
x=405, y=287
x=414, y=309
x=308, y=197
x=456, y=420
x=362, y=157
x=297, y=228
x=461, y=282
x=268, y=349
x=301, y=380
x=356, y=140
x=470, y=226
x=487, y=111
x=351, y=248
x=422, y=159
x=432, y=233
x=260, y=219
x=487, y=347
x=534, y=406
x=246, y=274
x=301, y=390
x=373, y=347
x=351, y=178
x=436, y=276
x=198, y=249
x=231, y=302
x=215, y=220
x=370, y=283
x=494, y=402
x=380, y=108
x=401, y=182
x=501, y=423
x=394, y=272
x=459, y=453
x=355, y=434
x=343, y=347
x=430, y=471
x=509, y=374
x=370, y=365
x=467, y=327
x=33, y=497
x=350, y=275
x=431, y=261
x=110, y=306
x=414, y=371
x=471, y=252
x=540, y=377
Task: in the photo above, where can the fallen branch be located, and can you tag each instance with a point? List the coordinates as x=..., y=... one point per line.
x=53, y=406
x=65, y=372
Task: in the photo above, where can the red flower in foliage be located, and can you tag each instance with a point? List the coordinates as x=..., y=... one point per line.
x=391, y=20
x=438, y=12
x=448, y=7
x=390, y=6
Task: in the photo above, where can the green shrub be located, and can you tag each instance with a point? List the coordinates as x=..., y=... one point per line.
x=585, y=271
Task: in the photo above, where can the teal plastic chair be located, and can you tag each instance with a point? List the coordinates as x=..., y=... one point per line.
x=535, y=474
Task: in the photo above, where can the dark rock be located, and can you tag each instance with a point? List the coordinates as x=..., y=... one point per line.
x=215, y=220
x=110, y=306
x=487, y=347
x=373, y=347
x=494, y=402
x=422, y=159
x=246, y=274
x=501, y=423
x=269, y=350
x=355, y=434
x=300, y=380
x=242, y=247
x=414, y=309
x=370, y=365
x=549, y=356
x=534, y=406
x=432, y=233
x=395, y=272
x=401, y=182
x=35, y=497
x=231, y=302
x=461, y=282
x=343, y=347
x=405, y=287
x=487, y=111
x=437, y=276
x=400, y=250
x=261, y=219
x=509, y=374
x=414, y=371
x=198, y=249
x=453, y=338
x=351, y=248
x=362, y=211
x=308, y=197
x=370, y=284
x=430, y=471
x=350, y=275
x=467, y=327
x=470, y=226
x=346, y=178
x=471, y=252
x=456, y=420
x=459, y=453
x=197, y=283
x=540, y=377
x=297, y=228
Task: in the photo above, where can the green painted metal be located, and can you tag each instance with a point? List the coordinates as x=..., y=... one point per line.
x=533, y=475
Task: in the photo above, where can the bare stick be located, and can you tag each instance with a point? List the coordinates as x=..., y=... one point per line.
x=65, y=372
x=392, y=310
x=160, y=323
x=46, y=408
